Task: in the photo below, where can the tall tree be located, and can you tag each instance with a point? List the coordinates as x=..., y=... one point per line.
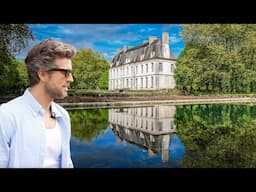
x=222, y=58
x=13, y=38
x=90, y=70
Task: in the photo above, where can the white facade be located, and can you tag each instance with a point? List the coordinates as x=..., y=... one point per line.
x=149, y=66
x=150, y=127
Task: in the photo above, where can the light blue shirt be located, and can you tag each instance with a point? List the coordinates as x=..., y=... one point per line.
x=22, y=133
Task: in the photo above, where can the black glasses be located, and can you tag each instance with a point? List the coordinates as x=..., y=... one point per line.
x=66, y=72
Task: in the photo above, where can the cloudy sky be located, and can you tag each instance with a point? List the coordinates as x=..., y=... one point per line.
x=105, y=38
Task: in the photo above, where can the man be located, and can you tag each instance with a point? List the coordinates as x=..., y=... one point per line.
x=34, y=130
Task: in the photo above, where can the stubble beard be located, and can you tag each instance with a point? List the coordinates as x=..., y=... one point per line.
x=55, y=93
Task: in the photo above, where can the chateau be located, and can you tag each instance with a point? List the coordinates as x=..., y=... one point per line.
x=149, y=66
x=151, y=128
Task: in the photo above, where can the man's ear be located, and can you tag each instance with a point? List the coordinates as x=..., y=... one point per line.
x=42, y=75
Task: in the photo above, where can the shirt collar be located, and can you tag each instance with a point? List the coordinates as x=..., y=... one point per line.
x=55, y=111
x=36, y=107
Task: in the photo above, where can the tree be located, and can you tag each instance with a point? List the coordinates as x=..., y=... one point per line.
x=90, y=70
x=217, y=58
x=217, y=136
x=13, y=78
x=103, y=81
x=13, y=38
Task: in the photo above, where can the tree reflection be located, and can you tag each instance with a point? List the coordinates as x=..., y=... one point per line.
x=88, y=124
x=217, y=135
x=214, y=135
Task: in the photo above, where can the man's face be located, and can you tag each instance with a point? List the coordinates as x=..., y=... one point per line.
x=59, y=78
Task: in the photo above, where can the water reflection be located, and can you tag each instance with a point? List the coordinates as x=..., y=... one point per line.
x=218, y=135
x=125, y=138
x=151, y=128
x=214, y=135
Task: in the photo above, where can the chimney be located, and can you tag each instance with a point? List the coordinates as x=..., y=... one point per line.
x=165, y=45
x=165, y=38
x=151, y=39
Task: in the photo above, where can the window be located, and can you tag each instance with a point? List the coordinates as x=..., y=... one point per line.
x=172, y=68
x=160, y=67
x=160, y=126
x=152, y=54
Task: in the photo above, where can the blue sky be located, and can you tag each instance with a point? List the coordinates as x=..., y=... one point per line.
x=105, y=38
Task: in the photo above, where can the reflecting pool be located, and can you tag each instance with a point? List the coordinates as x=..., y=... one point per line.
x=185, y=136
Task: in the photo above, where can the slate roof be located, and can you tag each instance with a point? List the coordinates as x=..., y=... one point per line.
x=134, y=53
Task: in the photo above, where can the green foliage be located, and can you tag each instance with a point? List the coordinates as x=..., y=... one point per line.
x=22, y=70
x=103, y=81
x=13, y=38
x=14, y=78
x=90, y=70
x=218, y=58
x=217, y=136
x=88, y=124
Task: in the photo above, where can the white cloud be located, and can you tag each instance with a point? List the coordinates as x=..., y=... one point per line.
x=104, y=38
x=174, y=39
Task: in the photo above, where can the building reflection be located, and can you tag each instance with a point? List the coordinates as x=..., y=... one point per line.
x=149, y=127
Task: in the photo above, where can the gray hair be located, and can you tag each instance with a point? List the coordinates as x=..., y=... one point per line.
x=43, y=56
